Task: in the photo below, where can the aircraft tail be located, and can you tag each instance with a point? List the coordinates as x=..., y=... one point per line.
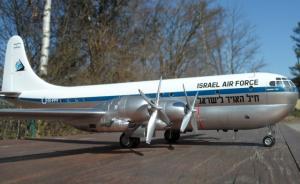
x=18, y=75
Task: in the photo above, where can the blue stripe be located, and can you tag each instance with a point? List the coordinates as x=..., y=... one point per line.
x=174, y=94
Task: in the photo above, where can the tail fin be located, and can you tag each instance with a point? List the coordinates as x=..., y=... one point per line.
x=18, y=76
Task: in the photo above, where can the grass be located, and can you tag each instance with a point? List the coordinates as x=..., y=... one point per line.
x=295, y=113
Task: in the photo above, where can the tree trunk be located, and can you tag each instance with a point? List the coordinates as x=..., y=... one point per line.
x=46, y=38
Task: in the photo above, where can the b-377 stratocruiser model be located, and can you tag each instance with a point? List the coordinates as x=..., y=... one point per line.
x=138, y=109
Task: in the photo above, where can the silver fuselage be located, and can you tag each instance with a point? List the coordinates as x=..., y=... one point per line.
x=237, y=108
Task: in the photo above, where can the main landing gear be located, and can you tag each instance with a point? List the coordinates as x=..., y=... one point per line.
x=126, y=139
x=129, y=142
x=269, y=140
x=171, y=135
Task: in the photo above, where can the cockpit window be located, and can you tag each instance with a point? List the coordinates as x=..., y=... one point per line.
x=286, y=84
x=272, y=83
x=279, y=83
x=292, y=84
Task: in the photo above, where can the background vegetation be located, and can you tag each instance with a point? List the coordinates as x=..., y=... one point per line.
x=295, y=70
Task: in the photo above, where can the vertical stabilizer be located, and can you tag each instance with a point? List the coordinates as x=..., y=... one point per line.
x=18, y=76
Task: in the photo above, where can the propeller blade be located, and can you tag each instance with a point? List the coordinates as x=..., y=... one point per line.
x=187, y=118
x=156, y=111
x=158, y=91
x=185, y=121
x=186, y=97
x=149, y=101
x=151, y=127
x=194, y=124
x=194, y=121
x=193, y=105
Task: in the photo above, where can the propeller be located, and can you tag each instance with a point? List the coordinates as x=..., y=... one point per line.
x=156, y=111
x=190, y=108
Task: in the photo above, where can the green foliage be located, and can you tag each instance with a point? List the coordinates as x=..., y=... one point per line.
x=55, y=129
x=295, y=70
x=296, y=36
x=295, y=113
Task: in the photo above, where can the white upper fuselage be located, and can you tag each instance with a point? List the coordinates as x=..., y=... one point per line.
x=220, y=82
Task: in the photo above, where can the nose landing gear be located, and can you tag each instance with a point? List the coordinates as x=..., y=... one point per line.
x=269, y=140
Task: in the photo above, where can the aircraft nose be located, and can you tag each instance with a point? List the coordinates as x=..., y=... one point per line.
x=293, y=95
x=294, y=98
x=291, y=100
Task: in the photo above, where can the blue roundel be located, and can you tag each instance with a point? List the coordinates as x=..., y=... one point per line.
x=179, y=104
x=19, y=66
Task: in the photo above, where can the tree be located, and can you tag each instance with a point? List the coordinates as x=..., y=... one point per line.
x=171, y=35
x=92, y=43
x=46, y=37
x=230, y=45
x=22, y=18
x=295, y=70
x=296, y=38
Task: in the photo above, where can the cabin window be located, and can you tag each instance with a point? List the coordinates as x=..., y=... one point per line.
x=272, y=83
x=277, y=78
x=279, y=84
x=284, y=78
x=286, y=84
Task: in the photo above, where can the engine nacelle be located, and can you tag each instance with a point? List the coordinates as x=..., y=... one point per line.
x=175, y=110
x=137, y=109
x=133, y=107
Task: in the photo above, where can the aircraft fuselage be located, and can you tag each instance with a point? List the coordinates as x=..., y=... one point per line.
x=241, y=101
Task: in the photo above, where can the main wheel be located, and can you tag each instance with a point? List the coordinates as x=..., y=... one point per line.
x=171, y=136
x=129, y=142
x=136, y=141
x=269, y=141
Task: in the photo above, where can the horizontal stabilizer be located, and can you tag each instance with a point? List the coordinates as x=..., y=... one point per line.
x=51, y=114
x=9, y=94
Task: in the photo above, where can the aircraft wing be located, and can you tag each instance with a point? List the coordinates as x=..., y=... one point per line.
x=52, y=114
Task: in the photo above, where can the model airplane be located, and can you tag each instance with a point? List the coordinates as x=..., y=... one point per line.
x=138, y=109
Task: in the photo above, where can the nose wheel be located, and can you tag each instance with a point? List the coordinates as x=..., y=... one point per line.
x=269, y=140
